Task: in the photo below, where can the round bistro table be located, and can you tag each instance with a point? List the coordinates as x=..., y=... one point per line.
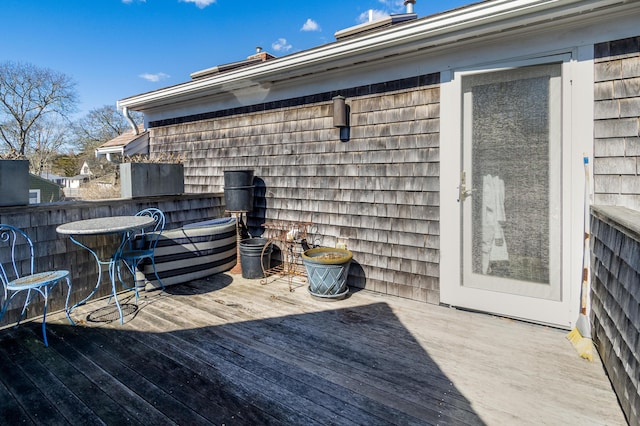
x=104, y=226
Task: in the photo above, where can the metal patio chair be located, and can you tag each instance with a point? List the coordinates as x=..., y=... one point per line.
x=18, y=275
x=141, y=246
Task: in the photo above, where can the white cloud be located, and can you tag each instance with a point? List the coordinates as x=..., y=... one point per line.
x=310, y=25
x=201, y=4
x=154, y=78
x=377, y=14
x=396, y=6
x=389, y=7
x=281, y=45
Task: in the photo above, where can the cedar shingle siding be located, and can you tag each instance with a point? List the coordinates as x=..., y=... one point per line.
x=617, y=123
x=615, y=293
x=378, y=190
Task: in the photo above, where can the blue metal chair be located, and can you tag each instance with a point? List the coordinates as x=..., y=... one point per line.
x=141, y=246
x=18, y=274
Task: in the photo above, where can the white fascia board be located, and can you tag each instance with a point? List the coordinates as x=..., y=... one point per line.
x=139, y=145
x=469, y=22
x=101, y=152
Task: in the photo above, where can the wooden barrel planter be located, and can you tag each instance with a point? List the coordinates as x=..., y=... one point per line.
x=327, y=270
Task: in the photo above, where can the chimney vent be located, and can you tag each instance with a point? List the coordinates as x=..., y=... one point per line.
x=409, y=4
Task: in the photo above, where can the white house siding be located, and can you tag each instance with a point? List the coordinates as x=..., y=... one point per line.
x=378, y=190
x=617, y=123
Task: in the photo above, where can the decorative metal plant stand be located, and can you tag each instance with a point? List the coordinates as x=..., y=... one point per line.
x=288, y=236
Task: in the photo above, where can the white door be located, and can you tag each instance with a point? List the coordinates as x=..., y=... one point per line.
x=512, y=248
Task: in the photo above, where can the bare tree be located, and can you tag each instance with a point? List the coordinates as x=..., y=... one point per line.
x=99, y=126
x=29, y=94
x=46, y=138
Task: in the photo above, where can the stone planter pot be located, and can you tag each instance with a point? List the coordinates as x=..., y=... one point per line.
x=327, y=269
x=151, y=179
x=14, y=182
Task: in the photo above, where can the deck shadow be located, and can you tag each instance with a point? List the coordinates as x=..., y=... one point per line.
x=338, y=366
x=213, y=283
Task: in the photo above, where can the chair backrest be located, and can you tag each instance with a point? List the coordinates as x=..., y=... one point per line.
x=157, y=228
x=16, y=254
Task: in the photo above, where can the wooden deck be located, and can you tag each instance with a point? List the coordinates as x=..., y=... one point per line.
x=225, y=350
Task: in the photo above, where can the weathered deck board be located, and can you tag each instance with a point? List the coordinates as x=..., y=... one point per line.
x=222, y=351
x=275, y=339
x=132, y=371
x=56, y=392
x=349, y=358
x=300, y=386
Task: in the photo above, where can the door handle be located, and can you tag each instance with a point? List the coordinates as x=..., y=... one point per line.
x=463, y=192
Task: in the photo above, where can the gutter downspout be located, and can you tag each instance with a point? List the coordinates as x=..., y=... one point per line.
x=125, y=112
x=110, y=158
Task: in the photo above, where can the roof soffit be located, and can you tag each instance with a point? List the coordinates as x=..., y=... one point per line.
x=476, y=20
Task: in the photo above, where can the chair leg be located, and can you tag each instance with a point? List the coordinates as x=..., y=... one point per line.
x=66, y=303
x=45, y=294
x=112, y=276
x=27, y=300
x=155, y=271
x=134, y=275
x=118, y=270
x=7, y=302
x=5, y=306
x=135, y=271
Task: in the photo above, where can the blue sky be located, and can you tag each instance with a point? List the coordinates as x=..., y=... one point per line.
x=114, y=49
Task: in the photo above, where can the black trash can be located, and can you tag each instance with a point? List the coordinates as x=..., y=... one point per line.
x=252, y=258
x=238, y=190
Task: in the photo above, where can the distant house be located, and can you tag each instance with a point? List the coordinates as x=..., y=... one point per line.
x=445, y=151
x=43, y=190
x=60, y=180
x=85, y=170
x=71, y=185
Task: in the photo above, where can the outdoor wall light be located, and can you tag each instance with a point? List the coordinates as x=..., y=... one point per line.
x=339, y=112
x=341, y=117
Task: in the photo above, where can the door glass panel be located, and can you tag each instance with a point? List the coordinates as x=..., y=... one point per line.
x=512, y=151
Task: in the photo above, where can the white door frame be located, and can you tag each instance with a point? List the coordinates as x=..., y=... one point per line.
x=577, y=137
